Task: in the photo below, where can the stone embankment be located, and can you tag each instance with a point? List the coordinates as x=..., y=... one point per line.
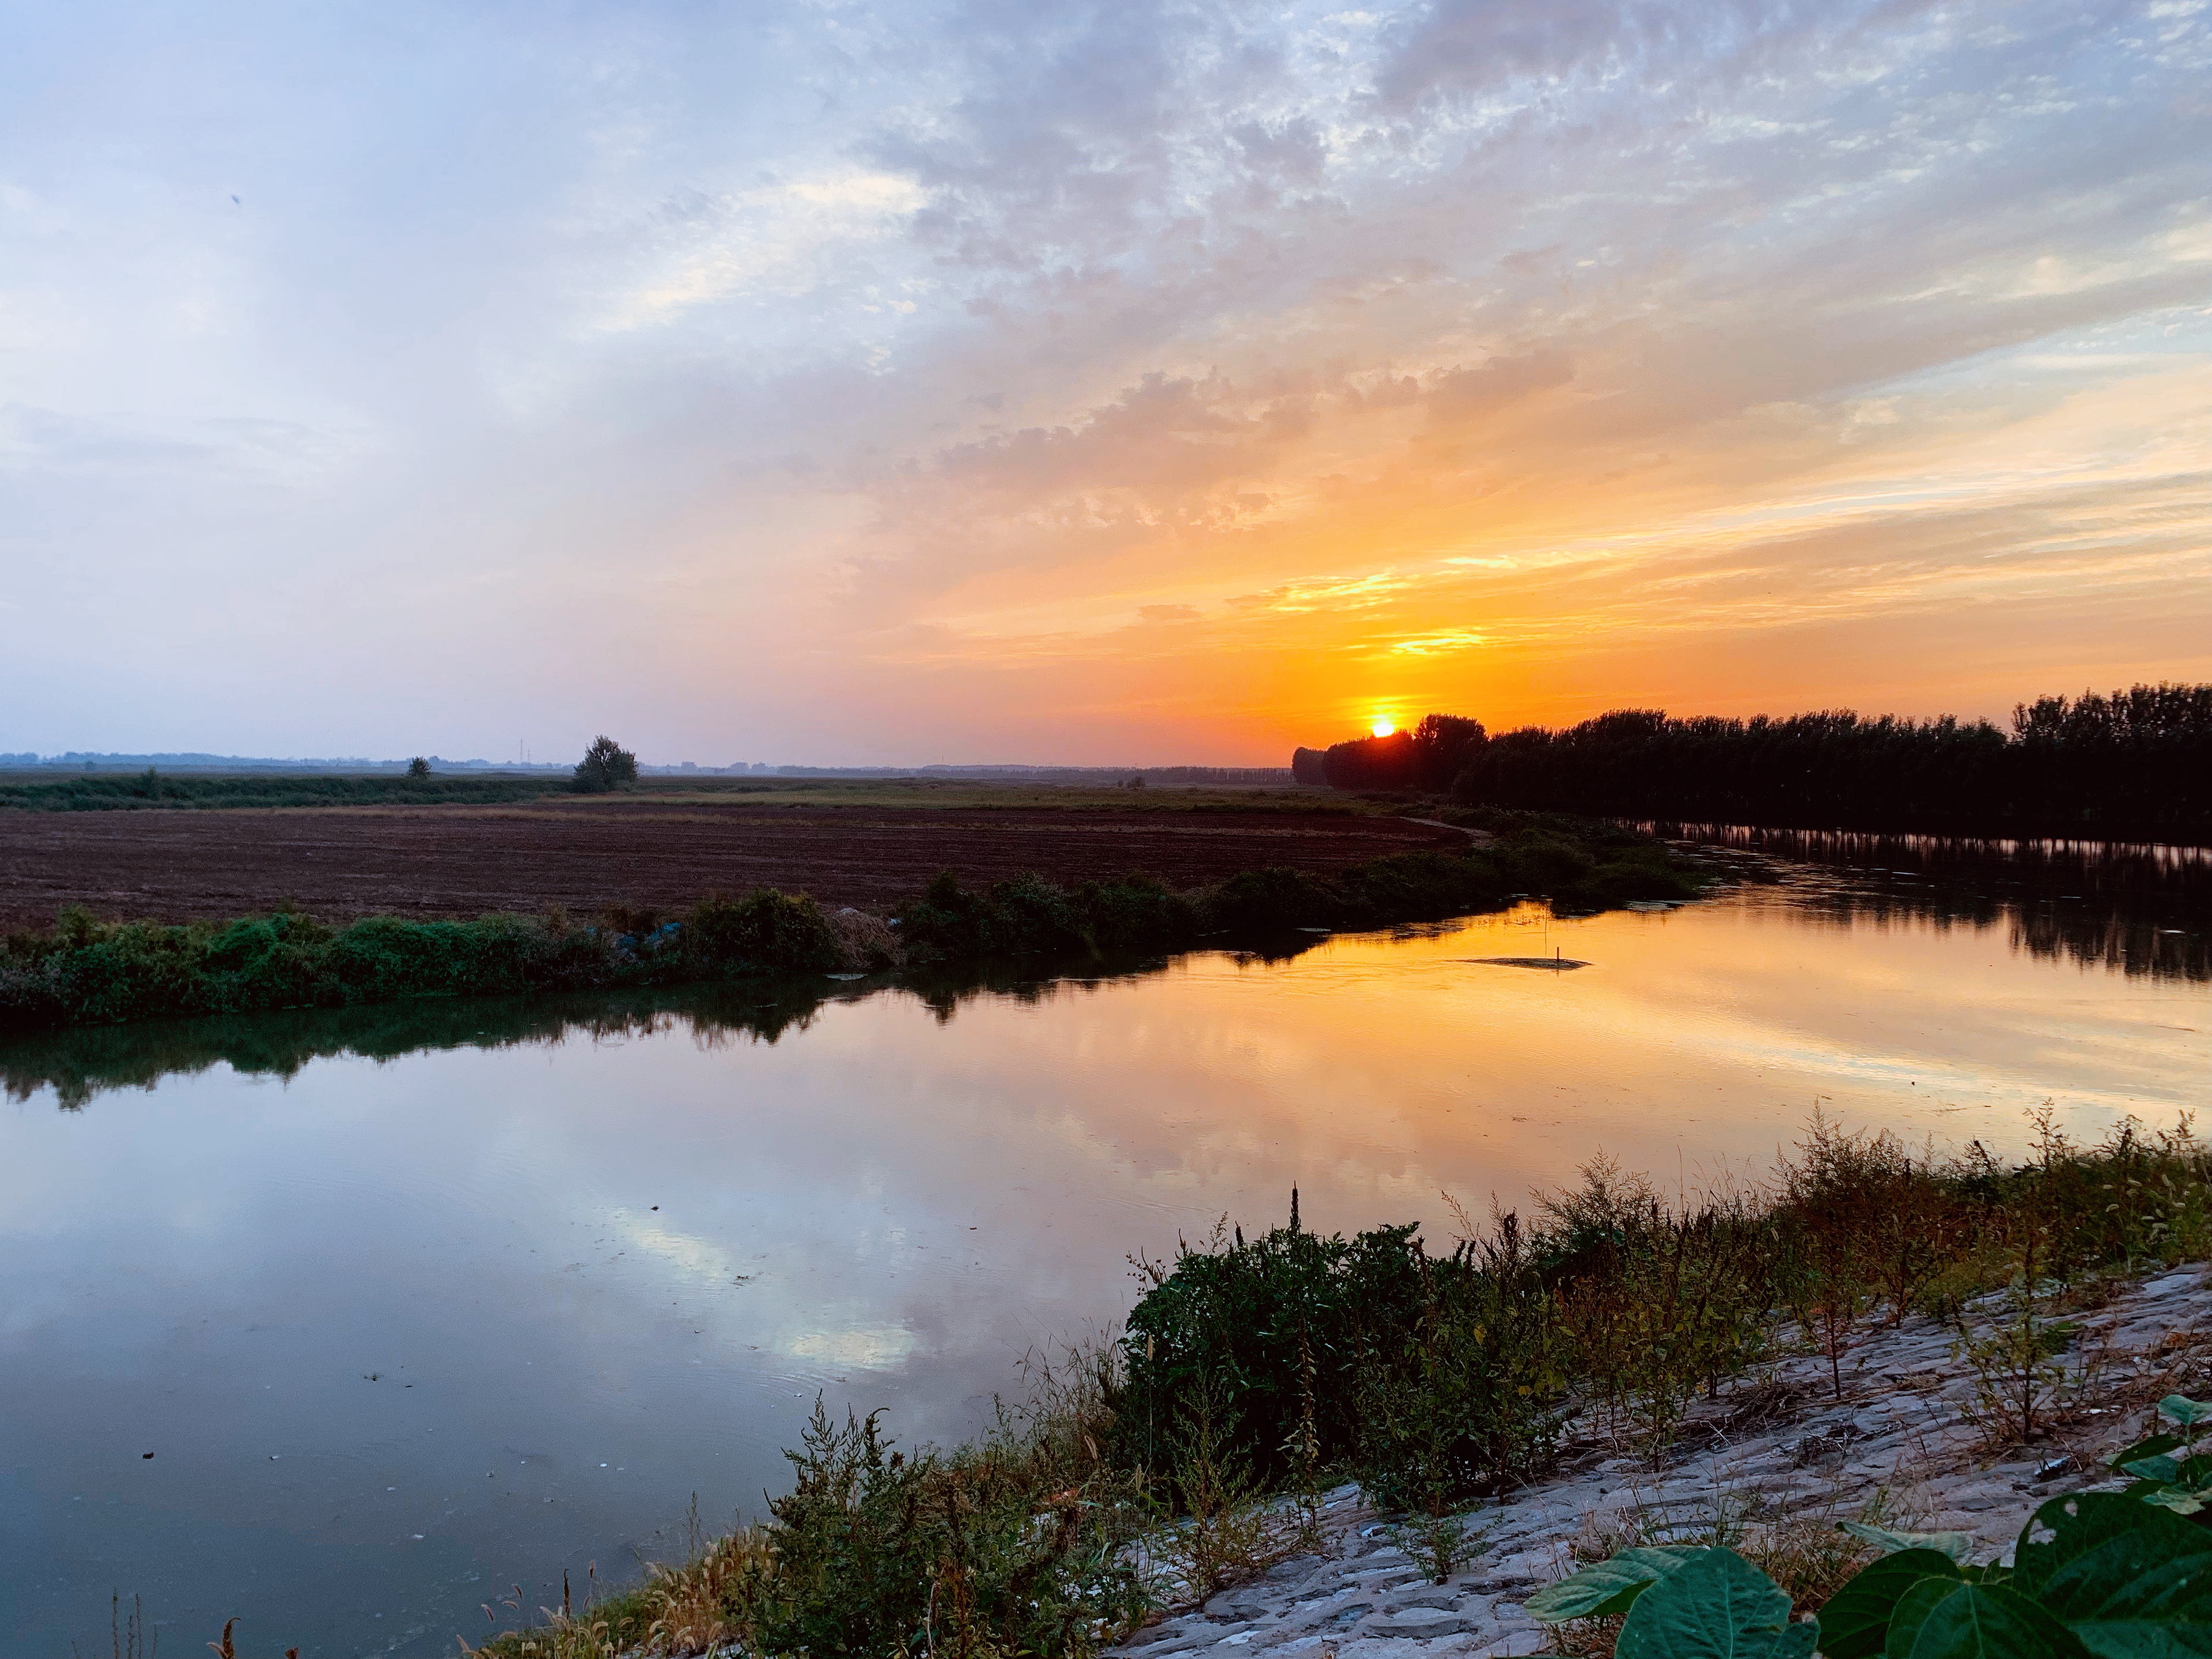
x=1779, y=1449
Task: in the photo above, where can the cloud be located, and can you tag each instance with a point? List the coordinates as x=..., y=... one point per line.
x=859, y=376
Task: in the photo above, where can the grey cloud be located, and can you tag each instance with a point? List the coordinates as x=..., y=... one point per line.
x=1291, y=153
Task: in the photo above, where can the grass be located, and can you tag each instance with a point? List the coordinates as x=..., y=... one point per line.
x=1182, y=1459
x=89, y=972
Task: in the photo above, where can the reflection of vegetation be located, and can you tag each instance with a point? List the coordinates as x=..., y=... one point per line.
x=90, y=972
x=1133, y=1473
x=85, y=1061
x=82, y=1062
x=2143, y=910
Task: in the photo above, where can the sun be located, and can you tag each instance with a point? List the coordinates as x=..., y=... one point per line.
x=1383, y=728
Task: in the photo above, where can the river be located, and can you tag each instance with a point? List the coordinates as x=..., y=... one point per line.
x=411, y=1305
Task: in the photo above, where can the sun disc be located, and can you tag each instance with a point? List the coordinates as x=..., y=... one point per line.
x=1383, y=728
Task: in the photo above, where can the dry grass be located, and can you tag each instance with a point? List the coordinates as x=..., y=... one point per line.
x=692, y=1603
x=871, y=944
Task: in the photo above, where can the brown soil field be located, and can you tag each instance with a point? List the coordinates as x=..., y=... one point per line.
x=464, y=861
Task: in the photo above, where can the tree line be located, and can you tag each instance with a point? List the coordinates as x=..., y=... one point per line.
x=2135, y=764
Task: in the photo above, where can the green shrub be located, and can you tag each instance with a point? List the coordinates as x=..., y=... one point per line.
x=1272, y=900
x=1430, y=1379
x=767, y=931
x=1134, y=913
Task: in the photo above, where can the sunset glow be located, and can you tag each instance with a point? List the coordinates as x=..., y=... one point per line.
x=1106, y=384
x=1381, y=728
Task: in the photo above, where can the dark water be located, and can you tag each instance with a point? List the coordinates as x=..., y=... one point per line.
x=411, y=1305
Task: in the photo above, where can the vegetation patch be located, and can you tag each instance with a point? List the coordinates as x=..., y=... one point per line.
x=158, y=791
x=88, y=972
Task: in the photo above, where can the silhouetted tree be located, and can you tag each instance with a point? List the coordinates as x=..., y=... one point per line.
x=1430, y=756
x=2134, y=764
x=418, y=768
x=606, y=765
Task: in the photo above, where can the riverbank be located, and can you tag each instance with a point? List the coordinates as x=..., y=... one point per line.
x=1871, y=1335
x=90, y=972
x=1769, y=1469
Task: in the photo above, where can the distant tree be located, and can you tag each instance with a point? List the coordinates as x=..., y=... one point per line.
x=606, y=765
x=418, y=768
x=1430, y=757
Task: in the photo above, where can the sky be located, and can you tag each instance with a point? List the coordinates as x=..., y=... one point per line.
x=1128, y=383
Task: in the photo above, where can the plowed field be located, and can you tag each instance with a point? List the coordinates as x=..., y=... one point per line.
x=464, y=861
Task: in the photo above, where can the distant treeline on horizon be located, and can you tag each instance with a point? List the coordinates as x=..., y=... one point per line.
x=2133, y=765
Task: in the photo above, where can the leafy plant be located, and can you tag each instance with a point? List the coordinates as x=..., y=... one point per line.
x=1230, y=1533
x=2182, y=1482
x=2113, y=1575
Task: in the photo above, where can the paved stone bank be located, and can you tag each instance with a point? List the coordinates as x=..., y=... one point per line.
x=1777, y=1446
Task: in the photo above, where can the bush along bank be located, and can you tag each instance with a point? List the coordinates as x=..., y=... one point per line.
x=88, y=972
x=1197, y=1451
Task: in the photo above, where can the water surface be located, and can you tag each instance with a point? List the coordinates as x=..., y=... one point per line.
x=412, y=1304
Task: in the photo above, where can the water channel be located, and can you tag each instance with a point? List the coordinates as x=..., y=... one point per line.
x=411, y=1305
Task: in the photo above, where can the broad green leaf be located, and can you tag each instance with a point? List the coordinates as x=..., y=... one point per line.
x=2176, y=1500
x=1987, y=1621
x=2164, y=1470
x=2146, y=1641
x=2149, y=1448
x=2183, y=1409
x=1956, y=1545
x=1716, y=1605
x=1609, y=1586
x=2110, y=1557
x=1854, y=1622
x=1912, y=1612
